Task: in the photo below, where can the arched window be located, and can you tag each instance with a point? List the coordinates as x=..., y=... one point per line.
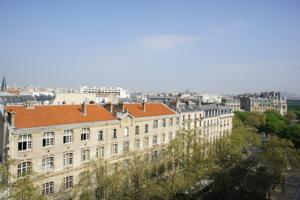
x=24, y=168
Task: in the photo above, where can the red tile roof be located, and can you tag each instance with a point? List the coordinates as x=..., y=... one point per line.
x=152, y=109
x=40, y=116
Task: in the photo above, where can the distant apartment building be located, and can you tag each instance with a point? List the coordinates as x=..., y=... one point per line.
x=56, y=141
x=78, y=98
x=122, y=93
x=233, y=103
x=263, y=102
x=213, y=121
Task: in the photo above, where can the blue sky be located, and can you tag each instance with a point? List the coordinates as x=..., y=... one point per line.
x=206, y=46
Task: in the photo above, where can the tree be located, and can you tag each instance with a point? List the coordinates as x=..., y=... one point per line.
x=25, y=189
x=291, y=115
x=278, y=157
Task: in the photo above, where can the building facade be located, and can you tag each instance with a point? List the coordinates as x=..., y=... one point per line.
x=122, y=93
x=263, y=102
x=213, y=121
x=56, y=141
x=233, y=103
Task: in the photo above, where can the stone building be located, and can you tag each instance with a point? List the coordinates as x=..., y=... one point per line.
x=213, y=121
x=263, y=102
x=233, y=103
x=57, y=140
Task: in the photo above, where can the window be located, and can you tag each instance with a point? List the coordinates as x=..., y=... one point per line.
x=154, y=139
x=170, y=136
x=68, y=136
x=48, y=139
x=100, y=135
x=171, y=122
x=85, y=155
x=68, y=182
x=154, y=155
x=100, y=152
x=48, y=188
x=163, y=137
x=155, y=124
x=115, y=149
x=85, y=134
x=177, y=120
x=68, y=159
x=146, y=128
x=137, y=130
x=137, y=144
x=163, y=122
x=48, y=163
x=114, y=133
x=24, y=168
x=146, y=142
x=126, y=132
x=126, y=147
x=24, y=142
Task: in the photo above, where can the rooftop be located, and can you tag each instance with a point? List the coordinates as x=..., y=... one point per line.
x=50, y=115
x=151, y=109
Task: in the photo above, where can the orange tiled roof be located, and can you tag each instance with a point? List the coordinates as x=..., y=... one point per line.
x=40, y=116
x=152, y=109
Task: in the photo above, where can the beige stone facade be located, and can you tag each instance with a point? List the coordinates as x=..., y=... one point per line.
x=59, y=152
x=213, y=121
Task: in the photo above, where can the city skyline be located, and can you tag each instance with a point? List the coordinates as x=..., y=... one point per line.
x=224, y=47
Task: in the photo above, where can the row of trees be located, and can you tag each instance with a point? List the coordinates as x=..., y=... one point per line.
x=271, y=122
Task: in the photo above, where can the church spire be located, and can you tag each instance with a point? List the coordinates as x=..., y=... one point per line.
x=3, y=85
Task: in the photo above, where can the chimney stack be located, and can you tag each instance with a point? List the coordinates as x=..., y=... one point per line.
x=121, y=106
x=83, y=108
x=111, y=108
x=12, y=118
x=144, y=106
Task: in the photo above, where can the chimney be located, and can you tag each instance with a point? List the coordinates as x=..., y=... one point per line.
x=121, y=106
x=144, y=106
x=111, y=108
x=83, y=108
x=12, y=118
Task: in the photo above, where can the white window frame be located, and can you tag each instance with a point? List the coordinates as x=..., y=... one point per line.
x=155, y=124
x=68, y=136
x=48, y=188
x=26, y=142
x=85, y=134
x=154, y=140
x=68, y=158
x=100, y=152
x=115, y=149
x=48, y=163
x=85, y=155
x=100, y=135
x=24, y=168
x=48, y=139
x=68, y=182
x=115, y=134
x=126, y=146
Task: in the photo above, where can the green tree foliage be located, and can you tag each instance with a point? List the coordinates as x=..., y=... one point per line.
x=24, y=188
x=253, y=119
x=275, y=123
x=293, y=133
x=279, y=156
x=291, y=115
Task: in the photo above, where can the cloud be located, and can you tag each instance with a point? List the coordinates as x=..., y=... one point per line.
x=166, y=41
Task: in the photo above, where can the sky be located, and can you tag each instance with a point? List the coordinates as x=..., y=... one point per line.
x=212, y=46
